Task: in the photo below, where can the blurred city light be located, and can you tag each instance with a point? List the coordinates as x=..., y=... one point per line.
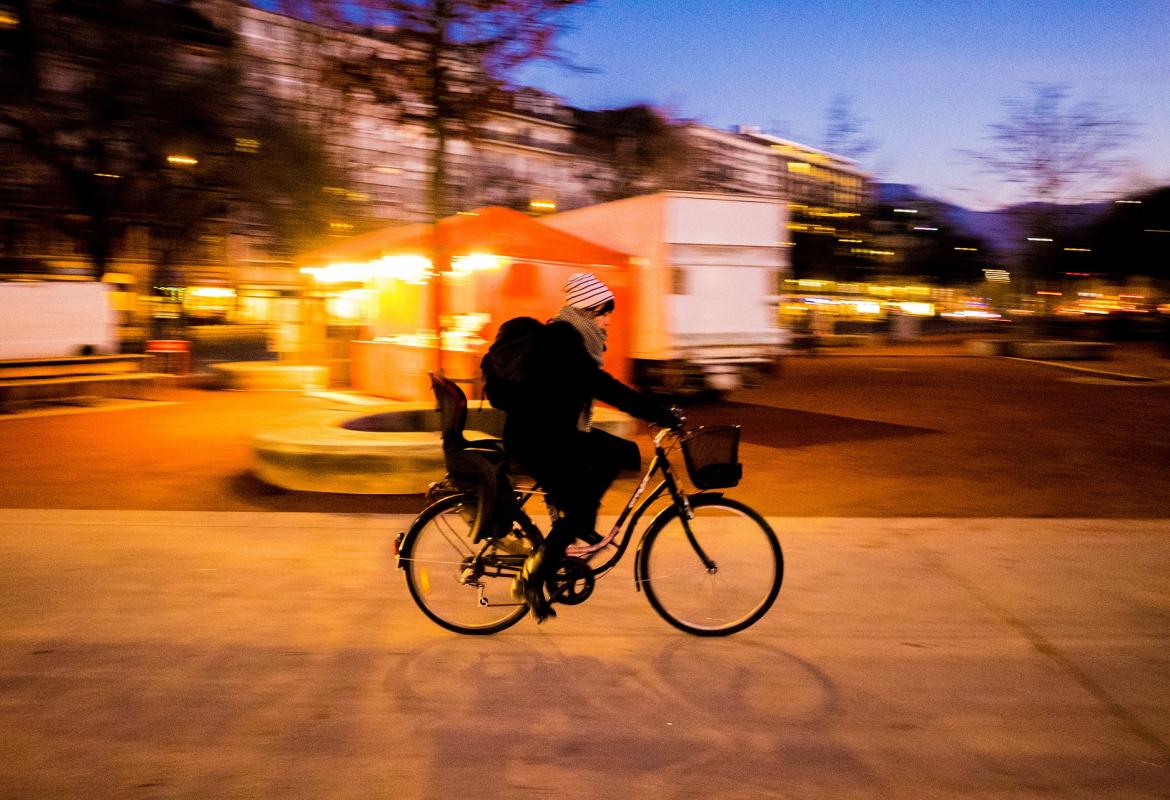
x=352, y=305
x=971, y=313
x=917, y=309
x=475, y=262
x=414, y=269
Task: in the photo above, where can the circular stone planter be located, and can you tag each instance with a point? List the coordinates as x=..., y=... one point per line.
x=392, y=451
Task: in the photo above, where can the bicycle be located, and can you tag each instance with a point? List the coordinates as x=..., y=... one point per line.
x=709, y=565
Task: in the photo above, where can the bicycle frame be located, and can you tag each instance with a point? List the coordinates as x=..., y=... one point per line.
x=634, y=510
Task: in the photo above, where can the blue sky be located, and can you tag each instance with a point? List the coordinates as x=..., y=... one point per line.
x=928, y=78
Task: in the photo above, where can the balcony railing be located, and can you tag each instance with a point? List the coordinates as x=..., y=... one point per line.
x=524, y=140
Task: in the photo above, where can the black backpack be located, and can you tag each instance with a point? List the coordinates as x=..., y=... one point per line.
x=507, y=364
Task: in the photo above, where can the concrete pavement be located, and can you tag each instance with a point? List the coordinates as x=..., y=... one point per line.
x=242, y=655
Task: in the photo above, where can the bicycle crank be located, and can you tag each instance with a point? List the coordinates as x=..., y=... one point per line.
x=572, y=583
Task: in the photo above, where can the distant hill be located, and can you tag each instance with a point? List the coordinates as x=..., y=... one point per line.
x=999, y=228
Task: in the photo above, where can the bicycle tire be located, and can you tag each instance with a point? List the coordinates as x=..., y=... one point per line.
x=736, y=593
x=445, y=570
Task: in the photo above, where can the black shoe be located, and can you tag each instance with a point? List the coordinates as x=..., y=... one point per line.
x=529, y=585
x=541, y=610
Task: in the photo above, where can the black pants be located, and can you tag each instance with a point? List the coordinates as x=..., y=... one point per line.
x=575, y=473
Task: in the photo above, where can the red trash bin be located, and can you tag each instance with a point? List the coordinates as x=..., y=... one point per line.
x=175, y=355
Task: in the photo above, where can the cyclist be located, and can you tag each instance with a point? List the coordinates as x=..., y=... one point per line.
x=549, y=429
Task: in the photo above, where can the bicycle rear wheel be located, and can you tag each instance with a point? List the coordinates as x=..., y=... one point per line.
x=462, y=585
x=735, y=590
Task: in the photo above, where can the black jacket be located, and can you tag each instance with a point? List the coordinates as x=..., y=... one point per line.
x=564, y=379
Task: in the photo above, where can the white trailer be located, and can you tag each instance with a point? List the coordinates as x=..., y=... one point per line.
x=707, y=271
x=49, y=319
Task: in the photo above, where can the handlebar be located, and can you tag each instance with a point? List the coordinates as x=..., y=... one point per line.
x=677, y=429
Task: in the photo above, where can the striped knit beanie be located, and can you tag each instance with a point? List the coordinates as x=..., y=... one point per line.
x=585, y=291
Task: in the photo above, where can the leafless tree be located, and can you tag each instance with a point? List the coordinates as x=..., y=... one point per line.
x=845, y=131
x=452, y=59
x=1054, y=150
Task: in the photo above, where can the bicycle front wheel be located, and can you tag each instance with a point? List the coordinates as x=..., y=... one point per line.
x=719, y=579
x=464, y=586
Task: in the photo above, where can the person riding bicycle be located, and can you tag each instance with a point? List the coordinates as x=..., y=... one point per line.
x=549, y=429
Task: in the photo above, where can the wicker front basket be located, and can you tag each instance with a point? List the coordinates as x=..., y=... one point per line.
x=712, y=456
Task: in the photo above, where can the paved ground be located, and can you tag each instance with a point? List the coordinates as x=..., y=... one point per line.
x=975, y=605
x=245, y=655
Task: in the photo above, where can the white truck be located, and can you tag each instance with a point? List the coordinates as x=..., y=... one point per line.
x=707, y=271
x=49, y=319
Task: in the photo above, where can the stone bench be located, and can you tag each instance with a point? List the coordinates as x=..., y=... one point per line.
x=15, y=368
x=1043, y=349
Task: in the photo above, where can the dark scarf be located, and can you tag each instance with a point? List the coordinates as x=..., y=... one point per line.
x=593, y=336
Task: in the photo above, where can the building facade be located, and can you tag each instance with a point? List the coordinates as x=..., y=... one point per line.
x=527, y=153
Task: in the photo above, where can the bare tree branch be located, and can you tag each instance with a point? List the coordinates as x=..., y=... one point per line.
x=1055, y=151
x=454, y=58
x=845, y=131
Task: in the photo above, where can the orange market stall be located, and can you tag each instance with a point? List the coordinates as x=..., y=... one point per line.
x=499, y=264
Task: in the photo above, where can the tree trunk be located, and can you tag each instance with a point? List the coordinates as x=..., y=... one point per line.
x=438, y=176
x=439, y=255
